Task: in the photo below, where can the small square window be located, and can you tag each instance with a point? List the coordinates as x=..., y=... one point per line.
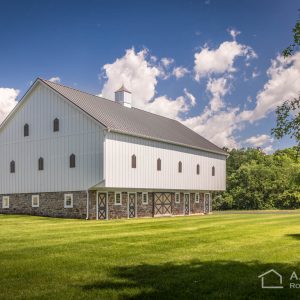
x=118, y=199
x=35, y=200
x=145, y=198
x=68, y=201
x=197, y=198
x=5, y=202
x=177, y=198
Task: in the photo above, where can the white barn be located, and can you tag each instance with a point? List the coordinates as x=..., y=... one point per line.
x=66, y=153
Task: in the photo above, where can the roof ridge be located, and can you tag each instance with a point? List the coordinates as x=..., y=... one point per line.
x=77, y=90
x=45, y=80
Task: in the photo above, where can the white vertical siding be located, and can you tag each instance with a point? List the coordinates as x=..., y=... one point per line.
x=119, y=149
x=77, y=134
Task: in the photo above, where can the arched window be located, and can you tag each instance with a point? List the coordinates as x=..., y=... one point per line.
x=198, y=169
x=12, y=166
x=72, y=161
x=133, y=161
x=158, y=165
x=41, y=164
x=180, y=167
x=213, y=171
x=55, y=125
x=26, y=130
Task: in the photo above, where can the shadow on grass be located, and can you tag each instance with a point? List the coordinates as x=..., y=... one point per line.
x=296, y=236
x=195, y=280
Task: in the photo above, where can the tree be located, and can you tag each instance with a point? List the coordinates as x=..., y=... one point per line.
x=288, y=121
x=288, y=114
x=290, y=50
x=256, y=180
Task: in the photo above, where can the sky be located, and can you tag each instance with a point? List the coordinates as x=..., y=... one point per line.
x=213, y=65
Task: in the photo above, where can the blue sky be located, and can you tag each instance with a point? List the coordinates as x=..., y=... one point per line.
x=143, y=43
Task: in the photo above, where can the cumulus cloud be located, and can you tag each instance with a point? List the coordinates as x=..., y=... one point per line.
x=180, y=72
x=167, y=61
x=190, y=96
x=283, y=84
x=218, y=122
x=55, y=79
x=233, y=32
x=140, y=74
x=8, y=100
x=221, y=60
x=218, y=127
x=218, y=88
x=134, y=71
x=259, y=140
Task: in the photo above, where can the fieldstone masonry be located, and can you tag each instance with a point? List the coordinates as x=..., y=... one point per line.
x=52, y=205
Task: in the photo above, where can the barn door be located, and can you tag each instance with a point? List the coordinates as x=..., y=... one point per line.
x=186, y=204
x=131, y=205
x=162, y=204
x=102, y=206
x=206, y=203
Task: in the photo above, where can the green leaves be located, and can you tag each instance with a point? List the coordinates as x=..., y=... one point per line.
x=259, y=181
x=296, y=36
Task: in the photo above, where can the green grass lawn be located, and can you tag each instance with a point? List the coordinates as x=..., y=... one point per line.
x=200, y=257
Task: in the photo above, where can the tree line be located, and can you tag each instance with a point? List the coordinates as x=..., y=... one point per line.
x=256, y=180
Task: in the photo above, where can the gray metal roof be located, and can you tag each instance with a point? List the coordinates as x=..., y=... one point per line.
x=132, y=121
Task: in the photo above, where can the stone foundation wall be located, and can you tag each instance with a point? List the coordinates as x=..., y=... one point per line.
x=52, y=205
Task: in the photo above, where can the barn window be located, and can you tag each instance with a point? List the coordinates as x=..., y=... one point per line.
x=198, y=169
x=145, y=198
x=56, y=125
x=12, y=166
x=5, y=202
x=133, y=161
x=213, y=171
x=72, y=161
x=26, y=130
x=118, y=199
x=177, y=198
x=197, y=198
x=68, y=201
x=180, y=167
x=35, y=200
x=41, y=164
x=159, y=164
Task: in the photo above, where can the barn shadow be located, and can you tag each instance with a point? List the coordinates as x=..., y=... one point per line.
x=196, y=280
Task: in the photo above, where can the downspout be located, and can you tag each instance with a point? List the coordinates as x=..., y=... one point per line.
x=87, y=204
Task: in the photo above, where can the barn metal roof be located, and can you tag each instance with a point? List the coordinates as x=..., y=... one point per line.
x=133, y=121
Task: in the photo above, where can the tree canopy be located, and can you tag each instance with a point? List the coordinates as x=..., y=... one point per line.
x=256, y=180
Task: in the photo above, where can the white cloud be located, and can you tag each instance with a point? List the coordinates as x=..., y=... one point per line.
x=255, y=74
x=190, y=96
x=8, y=100
x=180, y=72
x=268, y=149
x=220, y=60
x=140, y=75
x=167, y=61
x=217, y=127
x=259, y=140
x=283, y=84
x=55, y=79
x=167, y=107
x=233, y=32
x=218, y=88
x=136, y=73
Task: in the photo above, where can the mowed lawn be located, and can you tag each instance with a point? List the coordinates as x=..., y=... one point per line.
x=201, y=257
